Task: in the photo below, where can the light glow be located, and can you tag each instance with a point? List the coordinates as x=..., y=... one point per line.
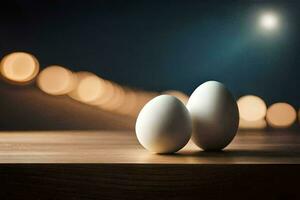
x=251, y=108
x=128, y=106
x=88, y=89
x=269, y=21
x=56, y=80
x=281, y=115
x=299, y=115
x=19, y=67
x=117, y=98
x=259, y=124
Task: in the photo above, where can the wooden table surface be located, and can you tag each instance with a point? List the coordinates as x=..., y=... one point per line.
x=112, y=165
x=123, y=147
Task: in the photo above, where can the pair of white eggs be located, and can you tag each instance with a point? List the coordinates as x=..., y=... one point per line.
x=211, y=118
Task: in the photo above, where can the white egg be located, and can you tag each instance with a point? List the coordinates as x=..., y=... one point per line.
x=164, y=125
x=214, y=114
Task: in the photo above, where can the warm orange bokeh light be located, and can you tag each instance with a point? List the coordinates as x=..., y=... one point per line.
x=259, y=124
x=179, y=95
x=118, y=98
x=130, y=102
x=281, y=115
x=299, y=115
x=107, y=94
x=251, y=108
x=19, y=67
x=88, y=89
x=56, y=80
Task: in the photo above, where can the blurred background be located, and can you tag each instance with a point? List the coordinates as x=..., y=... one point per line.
x=136, y=50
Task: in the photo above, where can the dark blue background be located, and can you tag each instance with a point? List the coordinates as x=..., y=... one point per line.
x=162, y=45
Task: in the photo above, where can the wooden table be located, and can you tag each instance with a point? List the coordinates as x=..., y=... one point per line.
x=112, y=165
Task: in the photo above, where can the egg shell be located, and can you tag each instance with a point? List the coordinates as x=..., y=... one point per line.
x=164, y=125
x=214, y=114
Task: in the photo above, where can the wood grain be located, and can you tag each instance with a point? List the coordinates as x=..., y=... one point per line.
x=150, y=181
x=122, y=147
x=112, y=165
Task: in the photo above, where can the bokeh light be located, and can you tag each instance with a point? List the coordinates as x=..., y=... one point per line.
x=269, y=21
x=116, y=97
x=56, y=80
x=129, y=104
x=251, y=108
x=19, y=67
x=299, y=115
x=88, y=89
x=281, y=115
x=259, y=124
x=180, y=95
x=108, y=93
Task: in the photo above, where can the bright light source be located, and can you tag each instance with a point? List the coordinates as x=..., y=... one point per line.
x=281, y=115
x=269, y=21
x=19, y=67
x=56, y=80
x=251, y=108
